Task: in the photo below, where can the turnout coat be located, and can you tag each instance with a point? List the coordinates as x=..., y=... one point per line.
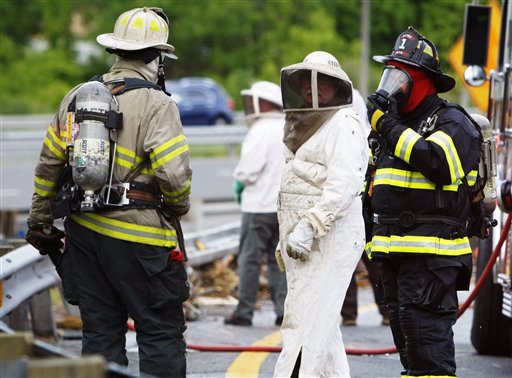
x=322, y=181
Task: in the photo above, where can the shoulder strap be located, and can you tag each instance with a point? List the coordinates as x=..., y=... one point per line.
x=126, y=84
x=130, y=83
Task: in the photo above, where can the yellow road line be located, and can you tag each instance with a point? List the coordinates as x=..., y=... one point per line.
x=247, y=364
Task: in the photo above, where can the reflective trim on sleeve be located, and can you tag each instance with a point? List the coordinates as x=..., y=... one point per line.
x=44, y=188
x=420, y=244
x=129, y=159
x=127, y=231
x=408, y=179
x=444, y=141
x=405, y=144
x=54, y=144
x=177, y=196
x=168, y=151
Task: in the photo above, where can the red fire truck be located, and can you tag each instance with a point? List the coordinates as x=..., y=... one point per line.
x=492, y=323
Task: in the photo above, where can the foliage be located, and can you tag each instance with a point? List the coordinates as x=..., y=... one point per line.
x=233, y=41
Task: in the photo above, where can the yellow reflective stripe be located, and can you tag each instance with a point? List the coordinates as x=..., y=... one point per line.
x=178, y=195
x=427, y=49
x=44, y=188
x=129, y=153
x=471, y=177
x=54, y=144
x=405, y=144
x=126, y=231
x=168, y=151
x=368, y=249
x=420, y=244
x=128, y=159
x=407, y=179
x=444, y=141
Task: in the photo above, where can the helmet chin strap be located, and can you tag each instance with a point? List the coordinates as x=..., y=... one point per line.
x=161, y=72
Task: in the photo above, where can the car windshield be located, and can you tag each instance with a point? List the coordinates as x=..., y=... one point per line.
x=186, y=94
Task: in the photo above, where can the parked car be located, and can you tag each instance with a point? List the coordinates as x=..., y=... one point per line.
x=201, y=101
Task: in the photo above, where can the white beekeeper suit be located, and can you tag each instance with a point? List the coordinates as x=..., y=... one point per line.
x=320, y=214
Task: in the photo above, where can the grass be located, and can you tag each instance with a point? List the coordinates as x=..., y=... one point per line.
x=214, y=151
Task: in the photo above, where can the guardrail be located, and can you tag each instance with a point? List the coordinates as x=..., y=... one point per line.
x=33, y=127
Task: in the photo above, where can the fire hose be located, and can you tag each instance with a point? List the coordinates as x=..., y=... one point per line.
x=358, y=351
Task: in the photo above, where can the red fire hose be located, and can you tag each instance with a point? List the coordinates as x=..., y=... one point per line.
x=355, y=351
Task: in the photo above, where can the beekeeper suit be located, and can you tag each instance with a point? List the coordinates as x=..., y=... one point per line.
x=319, y=211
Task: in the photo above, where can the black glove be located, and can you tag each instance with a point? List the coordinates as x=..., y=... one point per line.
x=45, y=238
x=377, y=106
x=382, y=113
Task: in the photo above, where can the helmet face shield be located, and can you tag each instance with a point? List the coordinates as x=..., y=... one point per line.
x=306, y=89
x=396, y=83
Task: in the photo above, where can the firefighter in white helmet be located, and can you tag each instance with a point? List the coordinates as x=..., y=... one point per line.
x=124, y=253
x=320, y=213
x=257, y=178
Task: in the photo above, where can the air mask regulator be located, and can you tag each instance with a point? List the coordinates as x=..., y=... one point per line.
x=394, y=88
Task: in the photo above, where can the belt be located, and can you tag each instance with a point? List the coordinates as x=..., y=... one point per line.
x=143, y=194
x=139, y=195
x=408, y=219
x=133, y=195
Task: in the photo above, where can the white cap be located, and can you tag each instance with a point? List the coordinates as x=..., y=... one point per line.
x=265, y=90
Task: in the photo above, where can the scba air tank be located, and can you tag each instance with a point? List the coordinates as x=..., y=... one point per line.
x=91, y=149
x=487, y=167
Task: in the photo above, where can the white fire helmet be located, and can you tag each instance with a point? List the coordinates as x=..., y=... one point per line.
x=318, y=83
x=138, y=29
x=261, y=90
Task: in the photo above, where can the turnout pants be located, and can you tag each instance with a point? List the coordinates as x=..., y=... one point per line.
x=421, y=295
x=114, y=279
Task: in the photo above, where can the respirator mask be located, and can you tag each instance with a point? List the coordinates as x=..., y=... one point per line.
x=394, y=88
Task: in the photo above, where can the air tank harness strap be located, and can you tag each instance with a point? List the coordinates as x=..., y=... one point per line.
x=137, y=196
x=407, y=219
x=142, y=195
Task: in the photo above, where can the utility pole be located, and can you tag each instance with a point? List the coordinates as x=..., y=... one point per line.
x=365, y=48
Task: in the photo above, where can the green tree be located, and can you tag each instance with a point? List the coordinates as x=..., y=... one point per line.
x=233, y=41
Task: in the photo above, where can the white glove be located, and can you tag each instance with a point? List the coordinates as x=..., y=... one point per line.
x=300, y=241
x=279, y=259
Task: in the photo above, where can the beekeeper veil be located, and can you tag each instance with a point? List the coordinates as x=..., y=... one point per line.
x=313, y=91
